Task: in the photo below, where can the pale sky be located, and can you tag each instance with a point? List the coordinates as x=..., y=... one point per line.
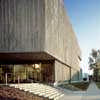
x=85, y=18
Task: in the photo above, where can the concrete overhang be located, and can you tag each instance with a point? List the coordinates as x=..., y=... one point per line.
x=25, y=58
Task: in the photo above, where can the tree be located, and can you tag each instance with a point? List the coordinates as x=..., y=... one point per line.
x=93, y=60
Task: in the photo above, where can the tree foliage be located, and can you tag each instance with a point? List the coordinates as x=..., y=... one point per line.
x=94, y=53
x=92, y=59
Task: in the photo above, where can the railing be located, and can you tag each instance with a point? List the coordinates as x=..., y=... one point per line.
x=11, y=78
x=21, y=77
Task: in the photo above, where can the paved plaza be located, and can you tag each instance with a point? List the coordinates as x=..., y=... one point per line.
x=92, y=93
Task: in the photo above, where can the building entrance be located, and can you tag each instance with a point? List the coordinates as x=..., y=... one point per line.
x=27, y=73
x=5, y=73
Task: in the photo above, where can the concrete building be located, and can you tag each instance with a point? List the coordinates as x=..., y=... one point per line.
x=37, y=34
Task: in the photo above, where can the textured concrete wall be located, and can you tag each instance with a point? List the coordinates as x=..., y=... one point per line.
x=21, y=25
x=62, y=72
x=74, y=74
x=60, y=39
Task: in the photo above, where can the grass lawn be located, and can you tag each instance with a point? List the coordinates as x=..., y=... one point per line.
x=82, y=85
x=76, y=86
x=69, y=87
x=98, y=84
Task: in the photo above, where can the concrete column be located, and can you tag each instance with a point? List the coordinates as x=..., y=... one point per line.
x=6, y=78
x=70, y=75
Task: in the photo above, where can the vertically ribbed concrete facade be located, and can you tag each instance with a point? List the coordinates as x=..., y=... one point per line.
x=39, y=30
x=60, y=40
x=22, y=25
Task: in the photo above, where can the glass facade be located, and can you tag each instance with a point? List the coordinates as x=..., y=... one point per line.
x=27, y=73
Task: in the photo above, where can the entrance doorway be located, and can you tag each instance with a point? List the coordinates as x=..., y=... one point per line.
x=5, y=73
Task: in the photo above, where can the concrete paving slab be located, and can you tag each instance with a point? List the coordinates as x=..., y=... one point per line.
x=92, y=93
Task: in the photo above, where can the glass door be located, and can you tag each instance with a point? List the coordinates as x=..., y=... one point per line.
x=6, y=73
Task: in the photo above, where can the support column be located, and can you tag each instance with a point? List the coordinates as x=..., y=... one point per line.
x=70, y=75
x=6, y=78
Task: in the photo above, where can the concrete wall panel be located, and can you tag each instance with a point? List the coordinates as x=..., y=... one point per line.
x=22, y=25
x=74, y=75
x=60, y=40
x=62, y=72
